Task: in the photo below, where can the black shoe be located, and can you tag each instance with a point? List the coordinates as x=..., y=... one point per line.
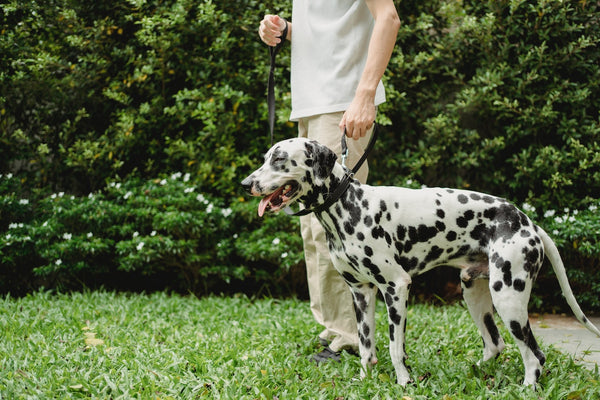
x=327, y=355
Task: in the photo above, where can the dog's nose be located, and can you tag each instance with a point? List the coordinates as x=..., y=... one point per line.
x=247, y=184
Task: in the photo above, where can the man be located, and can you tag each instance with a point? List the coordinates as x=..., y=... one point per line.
x=340, y=50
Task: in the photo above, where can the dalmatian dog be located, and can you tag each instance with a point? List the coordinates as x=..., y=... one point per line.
x=380, y=237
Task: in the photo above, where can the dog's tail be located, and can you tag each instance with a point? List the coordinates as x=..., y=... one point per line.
x=561, y=274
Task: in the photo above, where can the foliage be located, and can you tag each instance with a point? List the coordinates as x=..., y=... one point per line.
x=502, y=97
x=162, y=229
x=105, y=345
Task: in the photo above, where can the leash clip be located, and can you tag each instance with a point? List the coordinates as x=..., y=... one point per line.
x=344, y=148
x=344, y=156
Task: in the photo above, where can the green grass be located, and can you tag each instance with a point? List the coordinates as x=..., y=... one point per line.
x=120, y=346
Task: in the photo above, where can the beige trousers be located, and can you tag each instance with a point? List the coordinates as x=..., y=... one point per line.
x=330, y=298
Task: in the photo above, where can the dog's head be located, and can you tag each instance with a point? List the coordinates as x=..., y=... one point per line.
x=292, y=170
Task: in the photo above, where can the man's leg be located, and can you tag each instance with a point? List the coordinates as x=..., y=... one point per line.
x=330, y=297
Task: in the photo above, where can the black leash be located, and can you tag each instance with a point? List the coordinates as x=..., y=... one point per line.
x=273, y=51
x=348, y=177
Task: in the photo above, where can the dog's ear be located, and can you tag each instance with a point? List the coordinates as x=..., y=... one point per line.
x=324, y=161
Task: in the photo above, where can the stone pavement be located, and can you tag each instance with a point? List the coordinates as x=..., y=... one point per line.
x=566, y=334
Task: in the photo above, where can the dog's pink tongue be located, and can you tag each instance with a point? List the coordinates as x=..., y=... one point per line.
x=264, y=203
x=262, y=206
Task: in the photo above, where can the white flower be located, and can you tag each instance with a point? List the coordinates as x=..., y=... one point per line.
x=186, y=177
x=284, y=255
x=91, y=196
x=276, y=241
x=209, y=208
x=9, y=175
x=136, y=234
x=140, y=246
x=153, y=233
x=163, y=182
x=127, y=195
x=409, y=182
x=61, y=194
x=45, y=224
x=566, y=210
x=558, y=220
x=13, y=226
x=528, y=207
x=8, y=236
x=201, y=198
x=188, y=190
x=67, y=236
x=24, y=201
x=593, y=207
x=58, y=262
x=226, y=212
x=90, y=234
x=571, y=219
x=555, y=232
x=549, y=213
x=235, y=235
x=176, y=175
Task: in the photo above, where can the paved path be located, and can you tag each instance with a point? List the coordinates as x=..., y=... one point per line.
x=568, y=335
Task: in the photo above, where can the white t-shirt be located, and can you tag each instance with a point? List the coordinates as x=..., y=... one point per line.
x=330, y=40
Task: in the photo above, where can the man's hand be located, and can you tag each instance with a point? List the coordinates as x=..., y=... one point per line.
x=359, y=117
x=271, y=28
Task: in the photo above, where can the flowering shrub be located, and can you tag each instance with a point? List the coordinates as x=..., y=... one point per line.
x=161, y=228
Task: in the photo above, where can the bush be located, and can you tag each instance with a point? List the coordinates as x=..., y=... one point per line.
x=163, y=232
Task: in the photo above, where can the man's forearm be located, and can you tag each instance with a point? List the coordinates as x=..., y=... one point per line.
x=381, y=46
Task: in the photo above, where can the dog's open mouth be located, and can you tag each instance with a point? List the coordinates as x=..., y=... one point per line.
x=278, y=199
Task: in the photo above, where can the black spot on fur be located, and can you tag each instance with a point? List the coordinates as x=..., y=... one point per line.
x=348, y=228
x=519, y=285
x=368, y=251
x=394, y=316
x=463, y=199
x=497, y=286
x=434, y=254
x=348, y=277
x=491, y=327
x=440, y=213
x=524, y=334
x=400, y=232
x=475, y=196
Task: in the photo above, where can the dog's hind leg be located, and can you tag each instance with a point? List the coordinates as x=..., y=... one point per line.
x=364, y=296
x=476, y=293
x=511, y=303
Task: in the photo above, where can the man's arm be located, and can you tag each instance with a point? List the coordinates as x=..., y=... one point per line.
x=360, y=115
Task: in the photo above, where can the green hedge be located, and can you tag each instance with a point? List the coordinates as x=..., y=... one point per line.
x=498, y=96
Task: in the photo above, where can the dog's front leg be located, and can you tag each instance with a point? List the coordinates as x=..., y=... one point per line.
x=396, y=300
x=364, y=297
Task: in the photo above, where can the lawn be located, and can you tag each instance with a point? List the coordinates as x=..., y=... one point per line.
x=121, y=346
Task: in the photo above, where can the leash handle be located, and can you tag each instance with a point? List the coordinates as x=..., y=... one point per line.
x=273, y=51
x=363, y=158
